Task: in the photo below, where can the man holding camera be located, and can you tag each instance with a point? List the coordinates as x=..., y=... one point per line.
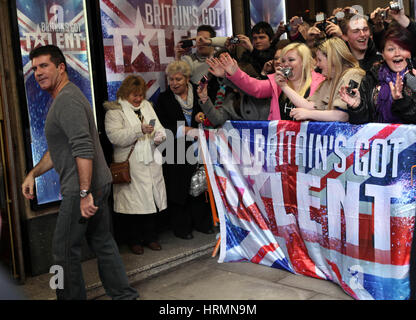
x=203, y=51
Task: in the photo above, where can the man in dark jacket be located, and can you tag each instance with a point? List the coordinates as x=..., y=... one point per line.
x=356, y=33
x=259, y=51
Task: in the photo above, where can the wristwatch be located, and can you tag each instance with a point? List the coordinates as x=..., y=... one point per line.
x=84, y=193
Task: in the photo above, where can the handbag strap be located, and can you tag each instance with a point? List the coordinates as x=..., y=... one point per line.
x=131, y=150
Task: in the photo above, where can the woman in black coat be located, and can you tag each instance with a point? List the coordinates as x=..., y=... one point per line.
x=177, y=109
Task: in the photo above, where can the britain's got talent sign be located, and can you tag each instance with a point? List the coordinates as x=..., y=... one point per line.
x=139, y=36
x=61, y=23
x=328, y=200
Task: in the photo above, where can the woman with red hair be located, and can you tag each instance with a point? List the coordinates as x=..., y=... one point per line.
x=385, y=95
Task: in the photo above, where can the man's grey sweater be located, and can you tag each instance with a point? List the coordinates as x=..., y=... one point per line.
x=71, y=132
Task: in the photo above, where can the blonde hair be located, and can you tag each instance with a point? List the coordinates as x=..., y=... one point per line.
x=307, y=62
x=131, y=84
x=340, y=59
x=178, y=67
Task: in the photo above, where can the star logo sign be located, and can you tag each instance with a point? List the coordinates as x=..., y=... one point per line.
x=141, y=38
x=141, y=41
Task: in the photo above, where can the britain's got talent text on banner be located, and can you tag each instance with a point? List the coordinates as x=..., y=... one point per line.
x=332, y=201
x=61, y=23
x=139, y=36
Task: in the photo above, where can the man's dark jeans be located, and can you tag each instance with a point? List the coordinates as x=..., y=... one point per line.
x=67, y=243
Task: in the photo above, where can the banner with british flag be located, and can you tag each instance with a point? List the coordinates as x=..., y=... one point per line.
x=139, y=36
x=61, y=23
x=332, y=201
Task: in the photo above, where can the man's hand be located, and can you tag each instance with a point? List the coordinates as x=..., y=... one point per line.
x=333, y=29
x=88, y=209
x=27, y=186
x=245, y=42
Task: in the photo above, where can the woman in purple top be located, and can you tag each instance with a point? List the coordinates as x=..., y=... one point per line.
x=385, y=95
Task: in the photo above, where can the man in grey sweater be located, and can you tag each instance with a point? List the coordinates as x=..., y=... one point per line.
x=76, y=154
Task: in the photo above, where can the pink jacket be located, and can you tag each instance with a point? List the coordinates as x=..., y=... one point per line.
x=268, y=88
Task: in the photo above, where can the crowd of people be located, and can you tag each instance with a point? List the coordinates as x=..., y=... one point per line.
x=348, y=67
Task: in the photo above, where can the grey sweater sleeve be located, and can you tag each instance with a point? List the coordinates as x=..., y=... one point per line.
x=73, y=119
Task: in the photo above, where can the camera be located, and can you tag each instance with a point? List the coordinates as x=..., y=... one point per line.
x=322, y=26
x=334, y=20
x=287, y=72
x=383, y=14
x=187, y=44
x=352, y=85
x=234, y=40
x=396, y=6
x=409, y=78
x=295, y=22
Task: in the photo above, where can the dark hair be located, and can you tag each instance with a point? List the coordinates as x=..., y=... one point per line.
x=208, y=28
x=57, y=57
x=344, y=24
x=400, y=36
x=263, y=27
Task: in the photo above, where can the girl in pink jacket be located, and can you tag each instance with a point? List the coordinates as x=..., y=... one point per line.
x=302, y=79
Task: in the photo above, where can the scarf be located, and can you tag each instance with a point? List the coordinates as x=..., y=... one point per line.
x=187, y=105
x=143, y=149
x=385, y=99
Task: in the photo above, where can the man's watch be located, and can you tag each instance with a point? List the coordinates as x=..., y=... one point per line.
x=84, y=193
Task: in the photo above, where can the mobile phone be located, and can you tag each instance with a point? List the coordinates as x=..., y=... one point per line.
x=352, y=85
x=152, y=122
x=187, y=43
x=409, y=78
x=203, y=82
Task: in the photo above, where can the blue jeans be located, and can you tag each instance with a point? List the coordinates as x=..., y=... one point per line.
x=67, y=243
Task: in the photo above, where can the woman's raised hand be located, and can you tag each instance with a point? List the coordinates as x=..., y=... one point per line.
x=396, y=89
x=228, y=64
x=352, y=101
x=215, y=67
x=202, y=93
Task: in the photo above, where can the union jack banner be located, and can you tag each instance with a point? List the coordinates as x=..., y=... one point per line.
x=332, y=201
x=139, y=36
x=61, y=23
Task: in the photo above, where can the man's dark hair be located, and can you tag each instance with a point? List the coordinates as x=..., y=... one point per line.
x=208, y=28
x=57, y=57
x=344, y=24
x=263, y=27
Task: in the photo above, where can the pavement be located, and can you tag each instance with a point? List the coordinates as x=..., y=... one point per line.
x=185, y=270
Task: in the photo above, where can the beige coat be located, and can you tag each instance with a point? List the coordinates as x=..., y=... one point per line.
x=148, y=186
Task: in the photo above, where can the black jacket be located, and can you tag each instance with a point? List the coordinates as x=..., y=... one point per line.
x=256, y=59
x=177, y=175
x=371, y=56
x=404, y=108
